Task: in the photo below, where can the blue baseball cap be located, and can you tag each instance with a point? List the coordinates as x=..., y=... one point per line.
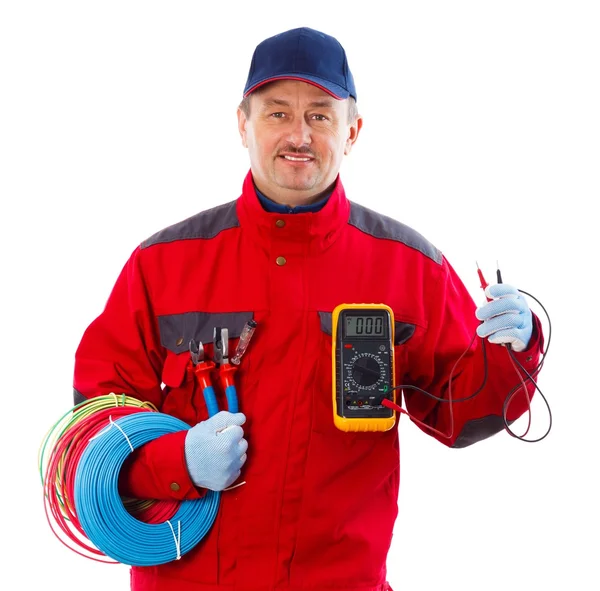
x=302, y=54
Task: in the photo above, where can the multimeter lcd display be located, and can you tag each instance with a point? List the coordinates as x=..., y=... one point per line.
x=365, y=326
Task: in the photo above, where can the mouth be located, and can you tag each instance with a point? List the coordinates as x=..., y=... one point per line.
x=296, y=159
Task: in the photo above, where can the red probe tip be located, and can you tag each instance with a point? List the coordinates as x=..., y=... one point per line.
x=482, y=280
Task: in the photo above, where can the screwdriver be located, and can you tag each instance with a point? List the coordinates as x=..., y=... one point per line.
x=242, y=345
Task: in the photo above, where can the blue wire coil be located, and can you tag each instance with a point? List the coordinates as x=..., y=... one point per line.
x=100, y=510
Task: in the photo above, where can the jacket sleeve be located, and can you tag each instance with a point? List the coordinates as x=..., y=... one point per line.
x=485, y=368
x=120, y=352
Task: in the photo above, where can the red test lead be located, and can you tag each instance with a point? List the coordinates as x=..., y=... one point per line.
x=482, y=281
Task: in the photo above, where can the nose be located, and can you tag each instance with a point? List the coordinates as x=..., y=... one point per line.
x=299, y=132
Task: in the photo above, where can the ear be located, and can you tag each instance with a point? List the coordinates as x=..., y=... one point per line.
x=242, y=122
x=353, y=131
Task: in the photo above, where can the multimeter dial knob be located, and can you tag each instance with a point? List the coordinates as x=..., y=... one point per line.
x=366, y=371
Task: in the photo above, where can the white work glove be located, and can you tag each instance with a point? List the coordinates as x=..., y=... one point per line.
x=215, y=450
x=507, y=319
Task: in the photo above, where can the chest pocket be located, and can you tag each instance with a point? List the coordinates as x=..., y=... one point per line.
x=181, y=395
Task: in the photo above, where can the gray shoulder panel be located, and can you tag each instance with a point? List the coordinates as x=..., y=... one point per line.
x=206, y=224
x=381, y=226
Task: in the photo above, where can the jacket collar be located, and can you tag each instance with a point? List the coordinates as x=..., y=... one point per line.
x=318, y=230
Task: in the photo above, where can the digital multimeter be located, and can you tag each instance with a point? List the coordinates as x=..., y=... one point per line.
x=363, y=367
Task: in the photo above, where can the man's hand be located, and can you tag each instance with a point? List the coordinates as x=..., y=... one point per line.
x=215, y=450
x=507, y=318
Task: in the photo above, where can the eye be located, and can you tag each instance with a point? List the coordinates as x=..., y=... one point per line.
x=278, y=115
x=320, y=117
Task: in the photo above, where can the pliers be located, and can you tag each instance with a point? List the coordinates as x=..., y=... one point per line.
x=202, y=369
x=226, y=370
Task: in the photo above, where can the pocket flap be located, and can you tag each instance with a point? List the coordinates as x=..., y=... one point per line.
x=402, y=332
x=177, y=330
x=326, y=322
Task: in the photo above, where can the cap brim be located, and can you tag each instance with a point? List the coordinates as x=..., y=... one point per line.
x=334, y=90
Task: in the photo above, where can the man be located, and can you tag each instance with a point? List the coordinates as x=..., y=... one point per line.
x=317, y=505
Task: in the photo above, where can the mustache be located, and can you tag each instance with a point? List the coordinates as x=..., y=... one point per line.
x=301, y=151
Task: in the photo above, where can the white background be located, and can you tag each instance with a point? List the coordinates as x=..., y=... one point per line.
x=481, y=130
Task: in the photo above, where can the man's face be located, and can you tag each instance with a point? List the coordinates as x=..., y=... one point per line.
x=296, y=135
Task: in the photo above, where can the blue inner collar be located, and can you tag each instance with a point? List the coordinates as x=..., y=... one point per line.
x=270, y=205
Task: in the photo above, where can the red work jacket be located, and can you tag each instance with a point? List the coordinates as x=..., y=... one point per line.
x=318, y=505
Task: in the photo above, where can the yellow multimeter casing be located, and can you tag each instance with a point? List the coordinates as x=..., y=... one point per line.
x=363, y=367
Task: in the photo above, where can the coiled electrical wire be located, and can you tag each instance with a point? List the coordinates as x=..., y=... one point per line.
x=100, y=509
x=58, y=458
